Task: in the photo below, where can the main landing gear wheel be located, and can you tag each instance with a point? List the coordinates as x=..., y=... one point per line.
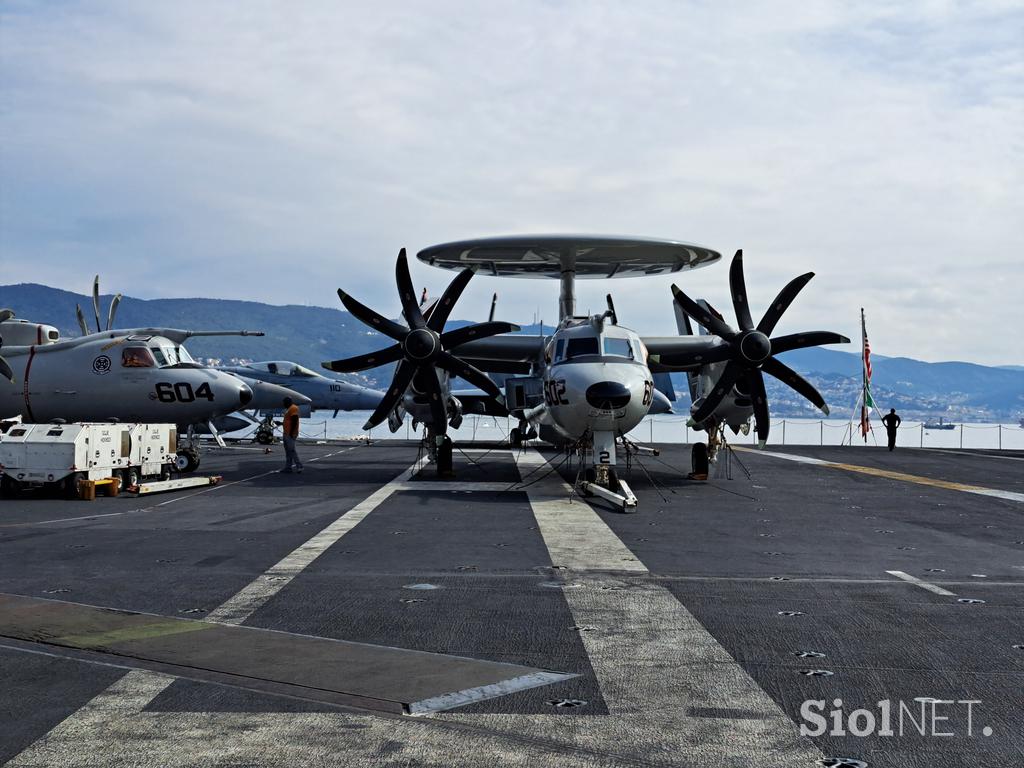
x=444, y=458
x=699, y=462
x=187, y=460
x=515, y=438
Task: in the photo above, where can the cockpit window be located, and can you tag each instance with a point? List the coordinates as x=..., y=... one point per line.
x=298, y=370
x=559, y=349
x=578, y=347
x=137, y=357
x=167, y=356
x=618, y=347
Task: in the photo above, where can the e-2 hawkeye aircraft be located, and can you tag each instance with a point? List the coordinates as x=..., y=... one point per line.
x=591, y=381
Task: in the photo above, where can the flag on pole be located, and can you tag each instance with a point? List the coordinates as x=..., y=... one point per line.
x=867, y=402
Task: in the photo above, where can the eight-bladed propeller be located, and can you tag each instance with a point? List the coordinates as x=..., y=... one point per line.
x=749, y=351
x=5, y=367
x=422, y=347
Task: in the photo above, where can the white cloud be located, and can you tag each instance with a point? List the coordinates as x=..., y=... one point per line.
x=275, y=151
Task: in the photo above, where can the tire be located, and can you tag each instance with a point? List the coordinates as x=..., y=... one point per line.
x=130, y=477
x=699, y=459
x=187, y=461
x=9, y=487
x=515, y=438
x=165, y=471
x=613, y=481
x=71, y=484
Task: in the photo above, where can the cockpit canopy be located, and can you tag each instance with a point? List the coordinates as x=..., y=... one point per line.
x=586, y=341
x=154, y=352
x=283, y=368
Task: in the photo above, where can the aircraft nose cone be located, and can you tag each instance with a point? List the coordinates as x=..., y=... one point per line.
x=244, y=395
x=608, y=395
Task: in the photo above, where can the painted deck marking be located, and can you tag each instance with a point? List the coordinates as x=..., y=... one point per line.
x=240, y=607
x=922, y=584
x=892, y=475
x=653, y=660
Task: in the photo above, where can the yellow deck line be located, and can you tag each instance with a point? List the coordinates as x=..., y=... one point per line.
x=138, y=632
x=891, y=475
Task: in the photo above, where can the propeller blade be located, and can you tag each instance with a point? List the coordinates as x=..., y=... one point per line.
x=373, y=319
x=804, y=340
x=798, y=383
x=452, y=339
x=470, y=373
x=96, y=301
x=759, y=399
x=782, y=302
x=7, y=314
x=399, y=383
x=113, y=311
x=5, y=370
x=81, y=320
x=362, y=362
x=443, y=308
x=407, y=294
x=722, y=387
x=494, y=304
x=438, y=409
x=738, y=288
x=701, y=315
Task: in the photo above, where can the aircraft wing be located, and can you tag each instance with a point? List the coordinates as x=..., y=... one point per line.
x=509, y=353
x=476, y=401
x=680, y=353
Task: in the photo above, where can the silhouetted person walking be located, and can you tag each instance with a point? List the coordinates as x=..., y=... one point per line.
x=892, y=422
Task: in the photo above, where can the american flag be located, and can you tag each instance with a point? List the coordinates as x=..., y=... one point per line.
x=867, y=402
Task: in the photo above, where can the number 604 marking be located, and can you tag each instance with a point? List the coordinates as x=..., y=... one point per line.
x=182, y=392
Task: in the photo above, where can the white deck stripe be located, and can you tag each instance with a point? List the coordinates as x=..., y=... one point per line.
x=654, y=661
x=922, y=584
x=136, y=690
x=252, y=597
x=573, y=533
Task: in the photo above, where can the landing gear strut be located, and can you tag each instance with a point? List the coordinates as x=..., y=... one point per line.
x=601, y=479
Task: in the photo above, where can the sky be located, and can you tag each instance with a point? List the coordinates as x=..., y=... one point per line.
x=275, y=151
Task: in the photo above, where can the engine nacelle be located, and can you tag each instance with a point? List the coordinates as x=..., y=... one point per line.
x=23, y=333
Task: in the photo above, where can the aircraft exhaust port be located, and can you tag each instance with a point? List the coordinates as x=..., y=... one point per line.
x=608, y=395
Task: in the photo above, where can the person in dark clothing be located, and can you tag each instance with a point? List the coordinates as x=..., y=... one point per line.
x=892, y=422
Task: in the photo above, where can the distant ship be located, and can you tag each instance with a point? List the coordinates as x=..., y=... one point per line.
x=942, y=424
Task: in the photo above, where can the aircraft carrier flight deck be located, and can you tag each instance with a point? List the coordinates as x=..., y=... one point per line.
x=364, y=614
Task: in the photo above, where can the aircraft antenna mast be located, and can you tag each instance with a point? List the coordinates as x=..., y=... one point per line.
x=567, y=290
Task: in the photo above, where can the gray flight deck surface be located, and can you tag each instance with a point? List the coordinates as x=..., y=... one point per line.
x=667, y=629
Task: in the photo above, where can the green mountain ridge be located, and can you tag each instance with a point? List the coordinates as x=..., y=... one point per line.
x=309, y=335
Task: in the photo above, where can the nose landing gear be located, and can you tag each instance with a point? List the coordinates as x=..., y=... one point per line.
x=601, y=479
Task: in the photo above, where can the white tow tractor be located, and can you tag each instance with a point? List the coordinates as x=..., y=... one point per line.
x=35, y=455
